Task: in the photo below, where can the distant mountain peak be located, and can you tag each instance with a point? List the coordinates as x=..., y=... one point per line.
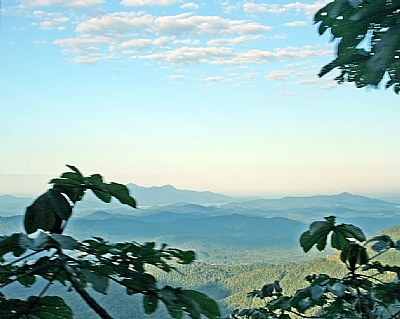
x=169, y=194
x=168, y=186
x=345, y=194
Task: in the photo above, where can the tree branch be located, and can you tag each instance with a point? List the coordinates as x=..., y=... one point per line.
x=85, y=296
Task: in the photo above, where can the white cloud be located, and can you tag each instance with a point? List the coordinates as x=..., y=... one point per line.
x=326, y=87
x=233, y=41
x=86, y=60
x=295, y=64
x=176, y=77
x=262, y=8
x=163, y=40
x=216, y=79
x=62, y=3
x=307, y=8
x=243, y=27
x=308, y=81
x=284, y=75
x=187, y=41
x=136, y=43
x=189, y=55
x=142, y=3
x=263, y=56
x=128, y=22
x=115, y=23
x=184, y=39
x=229, y=56
x=277, y=75
x=280, y=36
x=305, y=77
x=296, y=24
x=81, y=46
x=53, y=23
x=130, y=52
x=190, y=6
x=91, y=59
x=49, y=20
x=250, y=75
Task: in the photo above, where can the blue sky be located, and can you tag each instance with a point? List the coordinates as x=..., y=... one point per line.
x=205, y=95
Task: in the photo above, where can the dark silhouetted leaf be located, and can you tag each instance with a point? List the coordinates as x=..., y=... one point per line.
x=317, y=235
x=121, y=193
x=150, y=303
x=47, y=212
x=10, y=244
x=99, y=282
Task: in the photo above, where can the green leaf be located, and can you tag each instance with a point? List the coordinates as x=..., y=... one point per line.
x=353, y=255
x=175, y=311
x=74, y=192
x=63, y=181
x=73, y=168
x=95, y=179
x=47, y=212
x=388, y=292
x=204, y=304
x=139, y=282
x=65, y=242
x=344, y=233
x=317, y=235
x=101, y=194
x=316, y=292
x=337, y=289
x=72, y=176
x=383, y=243
x=37, y=243
x=11, y=244
x=50, y=307
x=99, y=283
x=121, y=193
x=169, y=296
x=70, y=184
x=27, y=281
x=150, y=303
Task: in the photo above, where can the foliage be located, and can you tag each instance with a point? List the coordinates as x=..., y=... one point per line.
x=368, y=50
x=360, y=293
x=54, y=257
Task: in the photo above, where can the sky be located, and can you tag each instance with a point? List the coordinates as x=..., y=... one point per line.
x=204, y=95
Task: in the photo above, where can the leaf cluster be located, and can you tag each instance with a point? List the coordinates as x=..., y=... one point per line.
x=51, y=211
x=368, y=46
x=361, y=293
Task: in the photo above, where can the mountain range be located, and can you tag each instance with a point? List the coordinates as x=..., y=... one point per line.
x=168, y=194
x=172, y=215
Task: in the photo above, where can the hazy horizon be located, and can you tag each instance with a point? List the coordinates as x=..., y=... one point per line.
x=34, y=185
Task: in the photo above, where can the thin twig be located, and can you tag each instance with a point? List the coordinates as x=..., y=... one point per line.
x=22, y=258
x=371, y=277
x=395, y=315
x=49, y=284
